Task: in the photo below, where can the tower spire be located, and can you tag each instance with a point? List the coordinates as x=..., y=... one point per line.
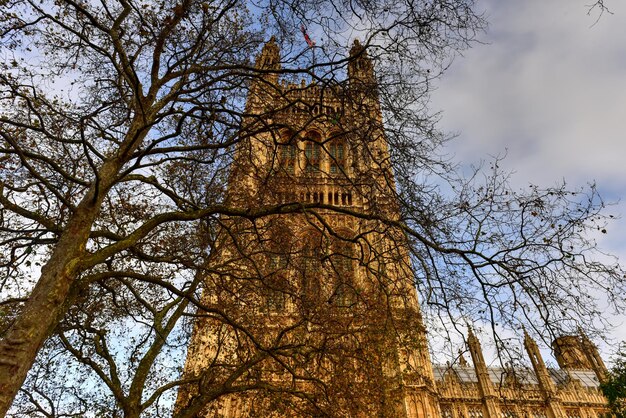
x=546, y=383
x=482, y=373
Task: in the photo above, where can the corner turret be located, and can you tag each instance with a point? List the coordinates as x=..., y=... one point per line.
x=577, y=352
x=264, y=85
x=360, y=67
x=269, y=58
x=268, y=61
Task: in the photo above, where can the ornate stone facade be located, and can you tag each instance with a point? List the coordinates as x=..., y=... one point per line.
x=331, y=276
x=482, y=391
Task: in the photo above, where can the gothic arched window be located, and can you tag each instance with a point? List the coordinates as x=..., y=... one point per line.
x=288, y=151
x=276, y=265
x=337, y=156
x=446, y=411
x=343, y=270
x=311, y=268
x=572, y=413
x=312, y=152
x=506, y=413
x=477, y=412
x=287, y=154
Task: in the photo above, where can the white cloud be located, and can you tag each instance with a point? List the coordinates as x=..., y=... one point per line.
x=543, y=87
x=549, y=87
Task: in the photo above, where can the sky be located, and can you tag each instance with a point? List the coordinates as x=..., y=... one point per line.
x=546, y=86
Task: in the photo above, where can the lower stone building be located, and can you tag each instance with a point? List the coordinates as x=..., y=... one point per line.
x=479, y=391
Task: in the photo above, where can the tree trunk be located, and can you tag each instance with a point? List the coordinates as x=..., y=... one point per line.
x=47, y=304
x=43, y=310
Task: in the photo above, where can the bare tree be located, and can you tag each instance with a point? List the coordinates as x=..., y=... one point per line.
x=119, y=122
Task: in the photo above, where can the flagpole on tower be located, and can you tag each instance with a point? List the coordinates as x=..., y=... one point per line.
x=310, y=43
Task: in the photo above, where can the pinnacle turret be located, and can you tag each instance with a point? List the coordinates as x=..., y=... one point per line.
x=360, y=67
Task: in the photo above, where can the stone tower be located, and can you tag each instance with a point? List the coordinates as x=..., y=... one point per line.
x=309, y=306
x=311, y=311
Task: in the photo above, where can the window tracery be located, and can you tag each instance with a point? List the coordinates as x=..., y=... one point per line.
x=287, y=151
x=287, y=155
x=276, y=300
x=277, y=253
x=311, y=267
x=342, y=264
x=508, y=413
x=337, y=156
x=446, y=411
x=475, y=412
x=572, y=413
x=312, y=152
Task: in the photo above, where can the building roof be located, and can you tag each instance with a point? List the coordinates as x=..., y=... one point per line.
x=498, y=375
